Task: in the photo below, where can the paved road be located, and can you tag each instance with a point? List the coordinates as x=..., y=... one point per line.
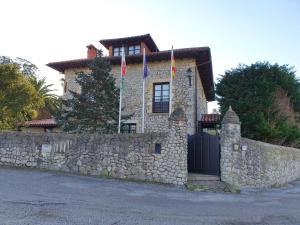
x=31, y=197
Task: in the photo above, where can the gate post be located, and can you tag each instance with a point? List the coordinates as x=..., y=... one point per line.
x=230, y=145
x=177, y=146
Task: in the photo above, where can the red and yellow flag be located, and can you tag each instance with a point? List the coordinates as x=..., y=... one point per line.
x=173, y=67
x=123, y=64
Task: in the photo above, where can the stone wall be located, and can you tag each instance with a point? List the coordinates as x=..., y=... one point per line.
x=247, y=163
x=191, y=99
x=201, y=102
x=70, y=79
x=118, y=155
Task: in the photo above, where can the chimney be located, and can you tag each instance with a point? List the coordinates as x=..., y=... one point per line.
x=91, y=52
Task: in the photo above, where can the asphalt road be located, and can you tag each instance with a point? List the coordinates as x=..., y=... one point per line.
x=31, y=197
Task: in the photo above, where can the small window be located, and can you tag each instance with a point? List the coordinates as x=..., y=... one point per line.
x=134, y=50
x=128, y=128
x=161, y=97
x=157, y=149
x=117, y=51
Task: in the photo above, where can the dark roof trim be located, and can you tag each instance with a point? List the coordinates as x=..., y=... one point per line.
x=131, y=40
x=69, y=64
x=201, y=54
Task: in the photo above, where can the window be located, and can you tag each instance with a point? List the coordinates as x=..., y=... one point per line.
x=128, y=128
x=157, y=149
x=161, y=96
x=134, y=50
x=118, y=51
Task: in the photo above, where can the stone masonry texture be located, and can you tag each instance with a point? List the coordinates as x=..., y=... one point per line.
x=116, y=155
x=191, y=99
x=247, y=163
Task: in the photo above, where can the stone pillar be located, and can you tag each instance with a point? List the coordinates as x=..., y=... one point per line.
x=177, y=147
x=230, y=147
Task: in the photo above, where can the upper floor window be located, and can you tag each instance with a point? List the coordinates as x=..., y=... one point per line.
x=117, y=51
x=161, y=97
x=134, y=49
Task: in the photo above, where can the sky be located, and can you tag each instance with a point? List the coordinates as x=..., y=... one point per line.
x=237, y=31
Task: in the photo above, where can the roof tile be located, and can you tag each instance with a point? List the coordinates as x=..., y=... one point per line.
x=42, y=123
x=210, y=118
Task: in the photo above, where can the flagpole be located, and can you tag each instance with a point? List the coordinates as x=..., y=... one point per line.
x=143, y=106
x=121, y=90
x=120, y=103
x=171, y=79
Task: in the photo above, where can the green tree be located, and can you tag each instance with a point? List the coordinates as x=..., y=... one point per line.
x=18, y=98
x=51, y=102
x=45, y=93
x=95, y=108
x=26, y=67
x=253, y=92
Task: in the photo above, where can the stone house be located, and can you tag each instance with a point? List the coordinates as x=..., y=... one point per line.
x=192, y=87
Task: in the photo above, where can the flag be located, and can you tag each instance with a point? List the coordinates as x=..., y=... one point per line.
x=123, y=73
x=123, y=64
x=173, y=67
x=145, y=66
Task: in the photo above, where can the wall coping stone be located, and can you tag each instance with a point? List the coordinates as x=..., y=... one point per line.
x=231, y=117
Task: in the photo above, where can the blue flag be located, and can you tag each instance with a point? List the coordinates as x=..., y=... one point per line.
x=145, y=66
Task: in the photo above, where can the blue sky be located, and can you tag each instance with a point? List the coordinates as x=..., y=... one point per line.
x=236, y=31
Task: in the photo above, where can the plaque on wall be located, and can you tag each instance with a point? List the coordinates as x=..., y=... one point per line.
x=46, y=150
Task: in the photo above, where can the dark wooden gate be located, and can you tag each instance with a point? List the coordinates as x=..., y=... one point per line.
x=204, y=154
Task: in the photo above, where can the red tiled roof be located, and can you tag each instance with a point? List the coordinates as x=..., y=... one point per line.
x=201, y=54
x=128, y=40
x=210, y=118
x=41, y=123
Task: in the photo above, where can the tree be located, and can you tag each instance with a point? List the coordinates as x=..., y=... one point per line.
x=51, y=101
x=258, y=94
x=95, y=108
x=18, y=98
x=26, y=67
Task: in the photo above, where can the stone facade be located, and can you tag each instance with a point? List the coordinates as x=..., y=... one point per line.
x=160, y=157
x=191, y=99
x=70, y=81
x=247, y=163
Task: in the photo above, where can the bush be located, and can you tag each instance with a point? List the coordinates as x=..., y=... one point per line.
x=252, y=91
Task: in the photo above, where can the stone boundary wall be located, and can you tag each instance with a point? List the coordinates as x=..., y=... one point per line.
x=247, y=163
x=159, y=157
